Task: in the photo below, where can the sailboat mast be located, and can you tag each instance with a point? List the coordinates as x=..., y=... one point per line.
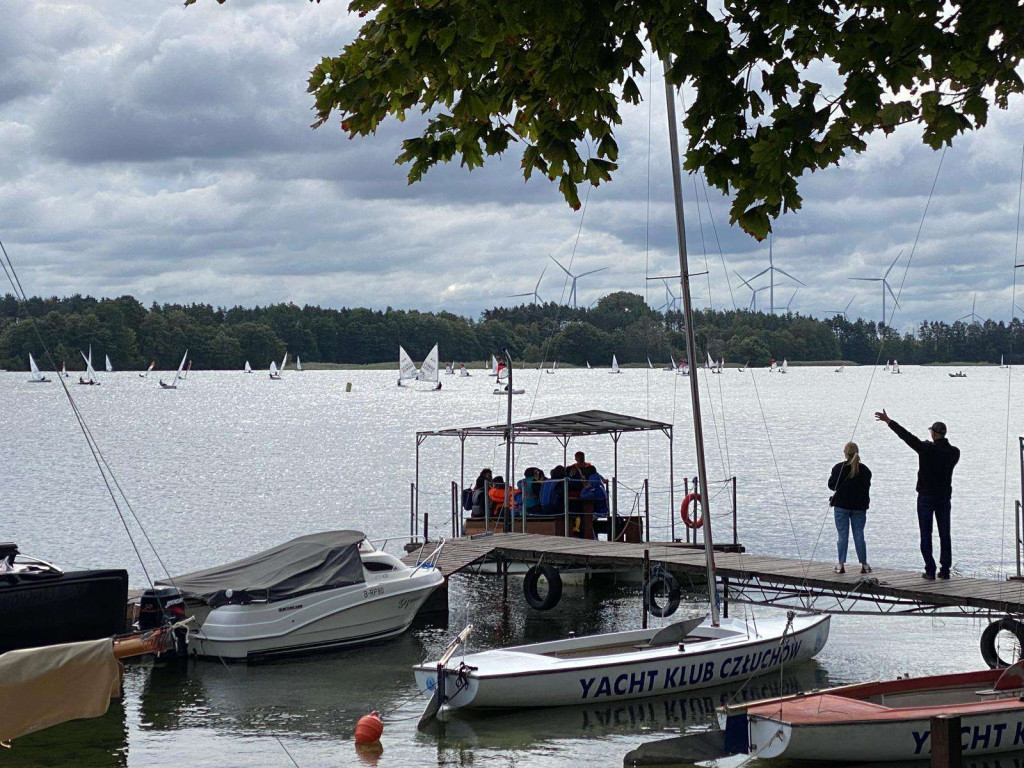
x=507, y=513
x=684, y=279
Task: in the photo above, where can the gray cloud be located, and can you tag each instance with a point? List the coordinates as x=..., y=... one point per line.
x=167, y=153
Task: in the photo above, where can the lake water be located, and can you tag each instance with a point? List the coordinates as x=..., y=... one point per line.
x=230, y=464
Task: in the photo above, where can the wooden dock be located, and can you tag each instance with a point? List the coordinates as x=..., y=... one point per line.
x=753, y=578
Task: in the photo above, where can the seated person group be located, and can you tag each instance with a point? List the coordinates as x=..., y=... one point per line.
x=539, y=495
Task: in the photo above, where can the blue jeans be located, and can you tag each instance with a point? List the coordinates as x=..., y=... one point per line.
x=927, y=508
x=845, y=520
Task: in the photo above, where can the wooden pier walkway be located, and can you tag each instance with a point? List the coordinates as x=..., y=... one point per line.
x=754, y=578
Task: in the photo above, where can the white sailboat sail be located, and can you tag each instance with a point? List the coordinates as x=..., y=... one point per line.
x=429, y=369
x=298, y=363
x=650, y=364
x=710, y=365
x=273, y=368
x=284, y=361
x=588, y=365
x=554, y=366
x=110, y=368
x=181, y=367
x=895, y=366
x=63, y=369
x=36, y=374
x=248, y=368
x=494, y=365
x=785, y=366
x=406, y=367
x=615, y=365
x=90, y=372
x=146, y=374
x=673, y=361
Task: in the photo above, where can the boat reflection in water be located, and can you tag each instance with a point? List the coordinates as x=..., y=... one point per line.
x=523, y=728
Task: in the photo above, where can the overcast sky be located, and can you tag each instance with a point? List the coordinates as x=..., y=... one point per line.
x=166, y=152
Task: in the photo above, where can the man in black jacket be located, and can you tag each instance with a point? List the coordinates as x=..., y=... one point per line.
x=936, y=460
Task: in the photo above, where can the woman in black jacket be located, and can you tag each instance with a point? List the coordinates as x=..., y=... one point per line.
x=851, y=482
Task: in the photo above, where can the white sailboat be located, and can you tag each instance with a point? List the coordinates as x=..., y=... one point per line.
x=463, y=371
x=177, y=374
x=785, y=366
x=554, y=367
x=90, y=372
x=840, y=369
x=110, y=368
x=494, y=366
x=895, y=366
x=146, y=374
x=248, y=368
x=672, y=362
x=274, y=373
x=37, y=376
x=64, y=369
x=588, y=365
x=694, y=653
x=1001, y=364
x=406, y=367
x=615, y=365
x=684, y=369
x=429, y=370
x=298, y=363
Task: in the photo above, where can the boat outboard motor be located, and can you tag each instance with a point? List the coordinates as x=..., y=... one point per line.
x=159, y=606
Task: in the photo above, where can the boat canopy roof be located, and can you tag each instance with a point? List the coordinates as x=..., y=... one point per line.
x=306, y=564
x=580, y=424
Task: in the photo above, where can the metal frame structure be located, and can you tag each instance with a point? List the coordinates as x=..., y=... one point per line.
x=561, y=428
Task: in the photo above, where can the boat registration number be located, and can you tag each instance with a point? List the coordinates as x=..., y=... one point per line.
x=373, y=591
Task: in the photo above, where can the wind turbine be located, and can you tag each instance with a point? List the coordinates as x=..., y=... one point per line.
x=752, y=306
x=885, y=284
x=572, y=290
x=671, y=300
x=791, y=299
x=975, y=318
x=842, y=311
x=770, y=270
x=536, y=296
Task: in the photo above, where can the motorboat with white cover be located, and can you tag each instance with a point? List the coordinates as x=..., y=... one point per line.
x=682, y=656
x=324, y=590
x=882, y=721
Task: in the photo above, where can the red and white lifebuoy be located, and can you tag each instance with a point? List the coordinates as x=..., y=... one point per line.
x=684, y=511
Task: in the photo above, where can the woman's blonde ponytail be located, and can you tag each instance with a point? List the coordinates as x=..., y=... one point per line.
x=852, y=454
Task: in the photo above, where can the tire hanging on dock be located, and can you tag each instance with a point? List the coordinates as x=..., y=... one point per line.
x=532, y=593
x=989, y=652
x=661, y=584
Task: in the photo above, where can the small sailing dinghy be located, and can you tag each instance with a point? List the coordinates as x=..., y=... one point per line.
x=90, y=373
x=177, y=375
x=895, y=366
x=298, y=363
x=37, y=376
x=324, y=590
x=248, y=368
x=958, y=375
x=671, y=364
x=633, y=664
x=64, y=370
x=110, y=368
x=429, y=371
x=1001, y=363
x=882, y=721
x=274, y=372
x=554, y=367
x=615, y=365
x=148, y=370
x=785, y=366
x=406, y=367
x=588, y=365
x=840, y=369
x=463, y=371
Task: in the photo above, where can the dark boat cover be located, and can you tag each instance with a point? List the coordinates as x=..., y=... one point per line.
x=306, y=564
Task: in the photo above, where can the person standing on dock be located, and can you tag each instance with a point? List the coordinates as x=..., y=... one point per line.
x=851, y=482
x=936, y=461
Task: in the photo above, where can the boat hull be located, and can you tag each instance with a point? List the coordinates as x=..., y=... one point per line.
x=349, y=616
x=511, y=678
x=981, y=734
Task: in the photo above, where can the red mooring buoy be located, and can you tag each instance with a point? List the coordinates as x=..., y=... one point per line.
x=369, y=728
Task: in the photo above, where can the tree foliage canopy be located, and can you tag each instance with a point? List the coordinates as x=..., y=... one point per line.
x=620, y=324
x=782, y=87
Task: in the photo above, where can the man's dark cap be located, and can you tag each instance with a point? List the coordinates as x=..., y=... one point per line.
x=939, y=428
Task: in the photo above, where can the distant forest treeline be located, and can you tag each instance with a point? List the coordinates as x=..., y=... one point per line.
x=620, y=323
